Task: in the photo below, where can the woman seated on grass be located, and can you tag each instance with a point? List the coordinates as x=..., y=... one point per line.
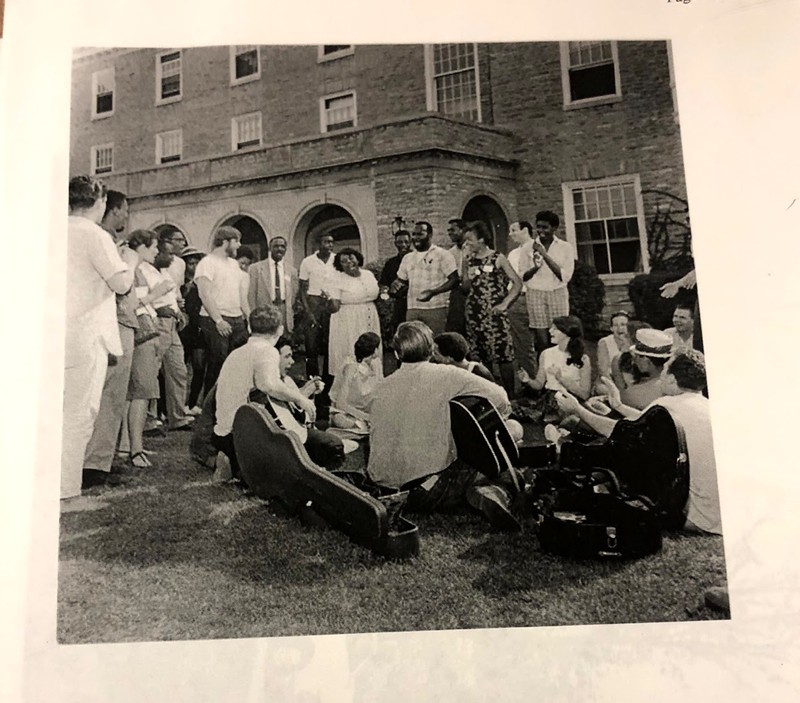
x=565, y=366
x=353, y=386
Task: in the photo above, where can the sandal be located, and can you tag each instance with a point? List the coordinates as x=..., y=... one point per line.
x=140, y=461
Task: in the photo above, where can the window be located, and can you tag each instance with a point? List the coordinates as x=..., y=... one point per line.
x=453, y=85
x=169, y=146
x=329, y=52
x=589, y=72
x=338, y=111
x=168, y=77
x=103, y=93
x=245, y=64
x=102, y=159
x=246, y=131
x=606, y=225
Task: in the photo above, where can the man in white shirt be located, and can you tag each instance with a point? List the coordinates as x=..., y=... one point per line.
x=546, y=281
x=254, y=366
x=102, y=445
x=683, y=380
x=272, y=282
x=456, y=313
x=169, y=349
x=431, y=273
x=521, y=260
x=96, y=270
x=682, y=330
x=315, y=273
x=223, y=292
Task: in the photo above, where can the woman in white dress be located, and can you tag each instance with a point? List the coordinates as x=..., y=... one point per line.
x=351, y=292
x=352, y=388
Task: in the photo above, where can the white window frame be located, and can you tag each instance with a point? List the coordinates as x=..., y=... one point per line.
x=93, y=159
x=569, y=103
x=95, y=81
x=160, y=137
x=235, y=121
x=171, y=98
x=569, y=220
x=244, y=79
x=322, y=56
x=430, y=82
x=672, y=89
x=323, y=113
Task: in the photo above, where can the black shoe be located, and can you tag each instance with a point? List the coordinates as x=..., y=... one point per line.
x=95, y=477
x=493, y=502
x=186, y=427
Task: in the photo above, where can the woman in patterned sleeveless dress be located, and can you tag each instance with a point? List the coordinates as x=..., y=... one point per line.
x=492, y=285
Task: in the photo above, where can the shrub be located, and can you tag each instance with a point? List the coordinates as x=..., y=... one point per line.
x=587, y=297
x=645, y=293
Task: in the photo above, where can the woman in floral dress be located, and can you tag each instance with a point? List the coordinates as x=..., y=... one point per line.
x=492, y=286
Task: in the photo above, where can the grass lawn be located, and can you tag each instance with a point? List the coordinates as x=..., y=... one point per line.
x=173, y=556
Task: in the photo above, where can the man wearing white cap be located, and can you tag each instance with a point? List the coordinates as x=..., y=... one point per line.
x=650, y=352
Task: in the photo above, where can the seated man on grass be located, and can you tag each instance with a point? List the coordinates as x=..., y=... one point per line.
x=254, y=366
x=451, y=348
x=683, y=380
x=412, y=447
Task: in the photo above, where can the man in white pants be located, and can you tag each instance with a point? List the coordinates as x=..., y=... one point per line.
x=95, y=272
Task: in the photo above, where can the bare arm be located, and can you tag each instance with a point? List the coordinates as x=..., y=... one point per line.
x=516, y=284
x=535, y=383
x=244, y=296
x=552, y=264
x=122, y=281
x=449, y=284
x=569, y=405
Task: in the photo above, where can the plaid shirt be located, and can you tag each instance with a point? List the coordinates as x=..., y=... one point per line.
x=425, y=270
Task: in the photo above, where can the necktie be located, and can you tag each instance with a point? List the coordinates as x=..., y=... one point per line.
x=277, y=299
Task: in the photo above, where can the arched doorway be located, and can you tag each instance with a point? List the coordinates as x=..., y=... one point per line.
x=253, y=235
x=326, y=219
x=486, y=209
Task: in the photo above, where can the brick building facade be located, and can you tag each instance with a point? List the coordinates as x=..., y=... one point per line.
x=294, y=140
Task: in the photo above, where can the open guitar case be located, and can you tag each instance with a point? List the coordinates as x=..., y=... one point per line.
x=613, y=498
x=275, y=465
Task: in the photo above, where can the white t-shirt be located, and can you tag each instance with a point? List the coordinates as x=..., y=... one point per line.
x=544, y=279
x=553, y=357
x=316, y=272
x=248, y=367
x=226, y=281
x=92, y=258
x=692, y=411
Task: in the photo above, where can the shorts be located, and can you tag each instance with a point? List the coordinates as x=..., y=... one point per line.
x=143, y=384
x=544, y=305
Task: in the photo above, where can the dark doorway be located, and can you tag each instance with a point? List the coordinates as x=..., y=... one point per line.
x=326, y=219
x=487, y=210
x=253, y=235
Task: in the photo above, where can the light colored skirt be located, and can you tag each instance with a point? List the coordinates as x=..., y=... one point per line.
x=346, y=327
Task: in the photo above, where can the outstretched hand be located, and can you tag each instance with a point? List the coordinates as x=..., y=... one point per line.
x=610, y=389
x=567, y=402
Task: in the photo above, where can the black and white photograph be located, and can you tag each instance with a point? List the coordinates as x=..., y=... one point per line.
x=400, y=342
x=407, y=337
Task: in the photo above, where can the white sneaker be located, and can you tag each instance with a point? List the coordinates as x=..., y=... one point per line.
x=349, y=445
x=195, y=411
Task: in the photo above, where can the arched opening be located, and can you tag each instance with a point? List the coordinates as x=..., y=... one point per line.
x=253, y=235
x=326, y=219
x=487, y=210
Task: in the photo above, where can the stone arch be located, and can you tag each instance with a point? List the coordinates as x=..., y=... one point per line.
x=254, y=234
x=330, y=218
x=487, y=208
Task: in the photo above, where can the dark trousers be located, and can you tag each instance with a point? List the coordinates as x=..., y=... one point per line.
x=325, y=449
x=225, y=445
x=448, y=494
x=218, y=347
x=316, y=334
x=456, y=312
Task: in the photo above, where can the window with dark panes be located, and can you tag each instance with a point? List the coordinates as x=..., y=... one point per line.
x=592, y=73
x=455, y=80
x=170, y=75
x=245, y=62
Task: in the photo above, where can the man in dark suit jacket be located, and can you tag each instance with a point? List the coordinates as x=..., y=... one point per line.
x=274, y=282
x=402, y=242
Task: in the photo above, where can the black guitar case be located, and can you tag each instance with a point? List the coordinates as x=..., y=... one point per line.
x=648, y=457
x=482, y=439
x=275, y=465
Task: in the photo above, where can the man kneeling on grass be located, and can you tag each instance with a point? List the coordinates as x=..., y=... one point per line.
x=412, y=447
x=683, y=379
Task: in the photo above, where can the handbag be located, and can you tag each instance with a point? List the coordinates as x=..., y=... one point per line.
x=146, y=329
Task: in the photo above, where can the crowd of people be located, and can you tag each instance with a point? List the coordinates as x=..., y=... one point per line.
x=146, y=312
